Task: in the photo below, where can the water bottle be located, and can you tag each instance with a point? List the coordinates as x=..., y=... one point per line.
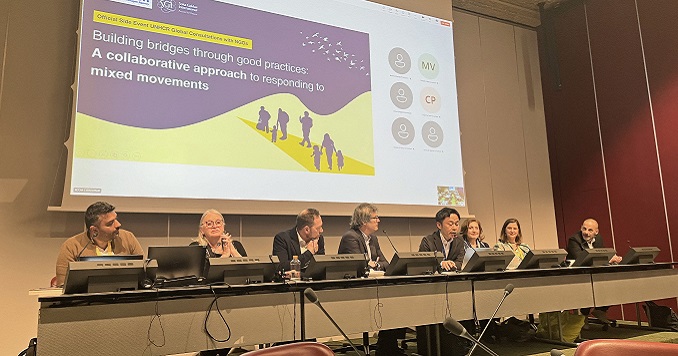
x=295, y=268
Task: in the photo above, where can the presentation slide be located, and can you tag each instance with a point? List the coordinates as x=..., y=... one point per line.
x=257, y=100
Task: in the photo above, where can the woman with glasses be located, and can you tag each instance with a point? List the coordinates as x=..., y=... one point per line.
x=211, y=235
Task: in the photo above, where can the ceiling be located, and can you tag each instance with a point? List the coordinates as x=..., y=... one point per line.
x=525, y=12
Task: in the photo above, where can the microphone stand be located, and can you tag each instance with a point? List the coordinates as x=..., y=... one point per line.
x=313, y=298
x=457, y=329
x=507, y=290
x=389, y=241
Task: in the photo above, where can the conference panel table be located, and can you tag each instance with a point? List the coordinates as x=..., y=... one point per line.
x=623, y=284
x=172, y=321
x=168, y=321
x=532, y=293
x=386, y=304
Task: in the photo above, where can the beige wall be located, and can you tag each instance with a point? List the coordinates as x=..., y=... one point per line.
x=503, y=129
x=503, y=144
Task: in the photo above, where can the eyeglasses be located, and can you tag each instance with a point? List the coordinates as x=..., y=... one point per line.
x=211, y=224
x=376, y=217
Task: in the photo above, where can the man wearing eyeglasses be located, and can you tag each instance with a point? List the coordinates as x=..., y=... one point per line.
x=103, y=236
x=303, y=240
x=360, y=237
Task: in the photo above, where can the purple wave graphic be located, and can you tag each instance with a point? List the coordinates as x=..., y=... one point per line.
x=334, y=57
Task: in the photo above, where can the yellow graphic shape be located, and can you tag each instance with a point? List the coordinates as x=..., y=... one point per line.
x=350, y=128
x=304, y=155
x=170, y=30
x=229, y=140
x=219, y=141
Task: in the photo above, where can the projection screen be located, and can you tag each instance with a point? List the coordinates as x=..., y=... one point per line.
x=264, y=107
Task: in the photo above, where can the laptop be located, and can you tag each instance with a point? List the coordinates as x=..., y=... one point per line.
x=178, y=266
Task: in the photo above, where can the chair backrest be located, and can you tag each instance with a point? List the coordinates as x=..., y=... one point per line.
x=605, y=347
x=298, y=349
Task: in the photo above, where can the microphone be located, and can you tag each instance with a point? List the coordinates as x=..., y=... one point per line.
x=457, y=329
x=89, y=241
x=507, y=290
x=556, y=352
x=389, y=240
x=313, y=298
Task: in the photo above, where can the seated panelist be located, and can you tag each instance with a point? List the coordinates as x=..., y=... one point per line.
x=360, y=237
x=472, y=232
x=211, y=235
x=511, y=239
x=304, y=240
x=586, y=238
x=445, y=240
x=103, y=236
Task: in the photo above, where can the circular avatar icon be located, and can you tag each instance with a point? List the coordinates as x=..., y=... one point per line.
x=428, y=66
x=399, y=60
x=430, y=99
x=432, y=134
x=403, y=131
x=401, y=95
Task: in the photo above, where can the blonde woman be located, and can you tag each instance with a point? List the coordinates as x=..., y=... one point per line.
x=211, y=235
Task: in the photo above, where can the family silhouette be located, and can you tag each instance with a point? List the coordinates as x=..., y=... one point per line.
x=327, y=147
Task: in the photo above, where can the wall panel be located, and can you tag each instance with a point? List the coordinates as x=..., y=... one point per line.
x=505, y=131
x=536, y=145
x=473, y=123
x=572, y=124
x=658, y=18
x=626, y=127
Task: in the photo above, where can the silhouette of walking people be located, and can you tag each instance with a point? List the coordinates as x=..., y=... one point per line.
x=306, y=124
x=328, y=145
x=340, y=160
x=274, y=134
x=264, y=116
x=316, y=157
x=283, y=119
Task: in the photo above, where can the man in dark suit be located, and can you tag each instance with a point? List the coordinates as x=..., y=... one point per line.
x=587, y=238
x=360, y=238
x=445, y=240
x=303, y=240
